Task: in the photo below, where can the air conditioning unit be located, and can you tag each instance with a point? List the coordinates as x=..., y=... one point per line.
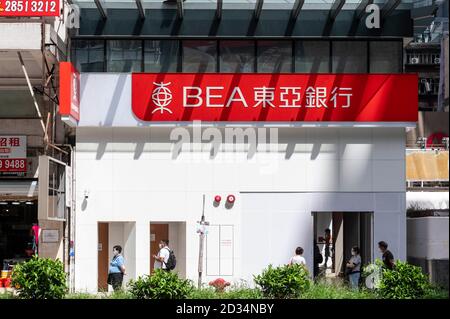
x=437, y=60
x=414, y=60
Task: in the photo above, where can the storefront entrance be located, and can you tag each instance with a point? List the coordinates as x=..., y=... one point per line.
x=103, y=256
x=158, y=232
x=175, y=233
x=111, y=234
x=347, y=229
x=16, y=240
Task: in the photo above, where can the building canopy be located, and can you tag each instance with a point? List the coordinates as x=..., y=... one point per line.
x=250, y=18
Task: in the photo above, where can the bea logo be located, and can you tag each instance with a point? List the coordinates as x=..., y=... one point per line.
x=161, y=97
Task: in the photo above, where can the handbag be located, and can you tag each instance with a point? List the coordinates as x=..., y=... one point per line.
x=109, y=280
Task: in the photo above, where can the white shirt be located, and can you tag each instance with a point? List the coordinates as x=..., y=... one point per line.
x=163, y=252
x=297, y=259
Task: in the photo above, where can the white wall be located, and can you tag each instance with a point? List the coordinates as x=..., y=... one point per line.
x=131, y=174
x=129, y=247
x=177, y=242
x=273, y=225
x=428, y=237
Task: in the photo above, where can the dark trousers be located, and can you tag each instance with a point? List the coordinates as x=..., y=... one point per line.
x=116, y=280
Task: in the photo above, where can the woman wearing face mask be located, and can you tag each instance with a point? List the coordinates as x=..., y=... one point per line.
x=354, y=268
x=116, y=269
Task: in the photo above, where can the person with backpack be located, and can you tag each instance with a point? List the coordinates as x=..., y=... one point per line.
x=318, y=259
x=166, y=258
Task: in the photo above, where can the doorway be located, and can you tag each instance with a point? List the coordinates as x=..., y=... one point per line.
x=347, y=229
x=158, y=232
x=175, y=233
x=103, y=254
x=109, y=235
x=16, y=240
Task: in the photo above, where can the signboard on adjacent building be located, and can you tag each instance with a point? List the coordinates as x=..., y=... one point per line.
x=50, y=235
x=29, y=8
x=13, y=155
x=69, y=102
x=241, y=97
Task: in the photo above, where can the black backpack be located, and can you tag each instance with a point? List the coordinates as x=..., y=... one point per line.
x=172, y=261
x=319, y=258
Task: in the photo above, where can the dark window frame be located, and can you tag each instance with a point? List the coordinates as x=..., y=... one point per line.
x=293, y=40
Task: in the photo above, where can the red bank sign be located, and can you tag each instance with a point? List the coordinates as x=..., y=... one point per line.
x=275, y=97
x=29, y=8
x=69, y=91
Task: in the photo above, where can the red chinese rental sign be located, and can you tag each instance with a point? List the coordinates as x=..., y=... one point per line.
x=172, y=97
x=13, y=154
x=29, y=8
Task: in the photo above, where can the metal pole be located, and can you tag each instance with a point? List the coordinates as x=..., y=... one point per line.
x=200, y=253
x=32, y=94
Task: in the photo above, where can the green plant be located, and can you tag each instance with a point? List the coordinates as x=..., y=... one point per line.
x=204, y=293
x=6, y=295
x=436, y=293
x=121, y=294
x=323, y=290
x=236, y=291
x=40, y=278
x=160, y=285
x=283, y=282
x=405, y=281
x=242, y=293
x=372, y=273
x=80, y=295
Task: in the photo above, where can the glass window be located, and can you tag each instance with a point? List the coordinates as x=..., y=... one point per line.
x=124, y=55
x=161, y=55
x=199, y=56
x=349, y=56
x=386, y=56
x=88, y=55
x=312, y=56
x=274, y=56
x=237, y=56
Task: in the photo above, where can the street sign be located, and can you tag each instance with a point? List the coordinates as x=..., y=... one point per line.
x=29, y=8
x=13, y=155
x=266, y=97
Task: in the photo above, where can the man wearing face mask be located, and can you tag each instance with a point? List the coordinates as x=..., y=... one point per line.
x=116, y=269
x=163, y=255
